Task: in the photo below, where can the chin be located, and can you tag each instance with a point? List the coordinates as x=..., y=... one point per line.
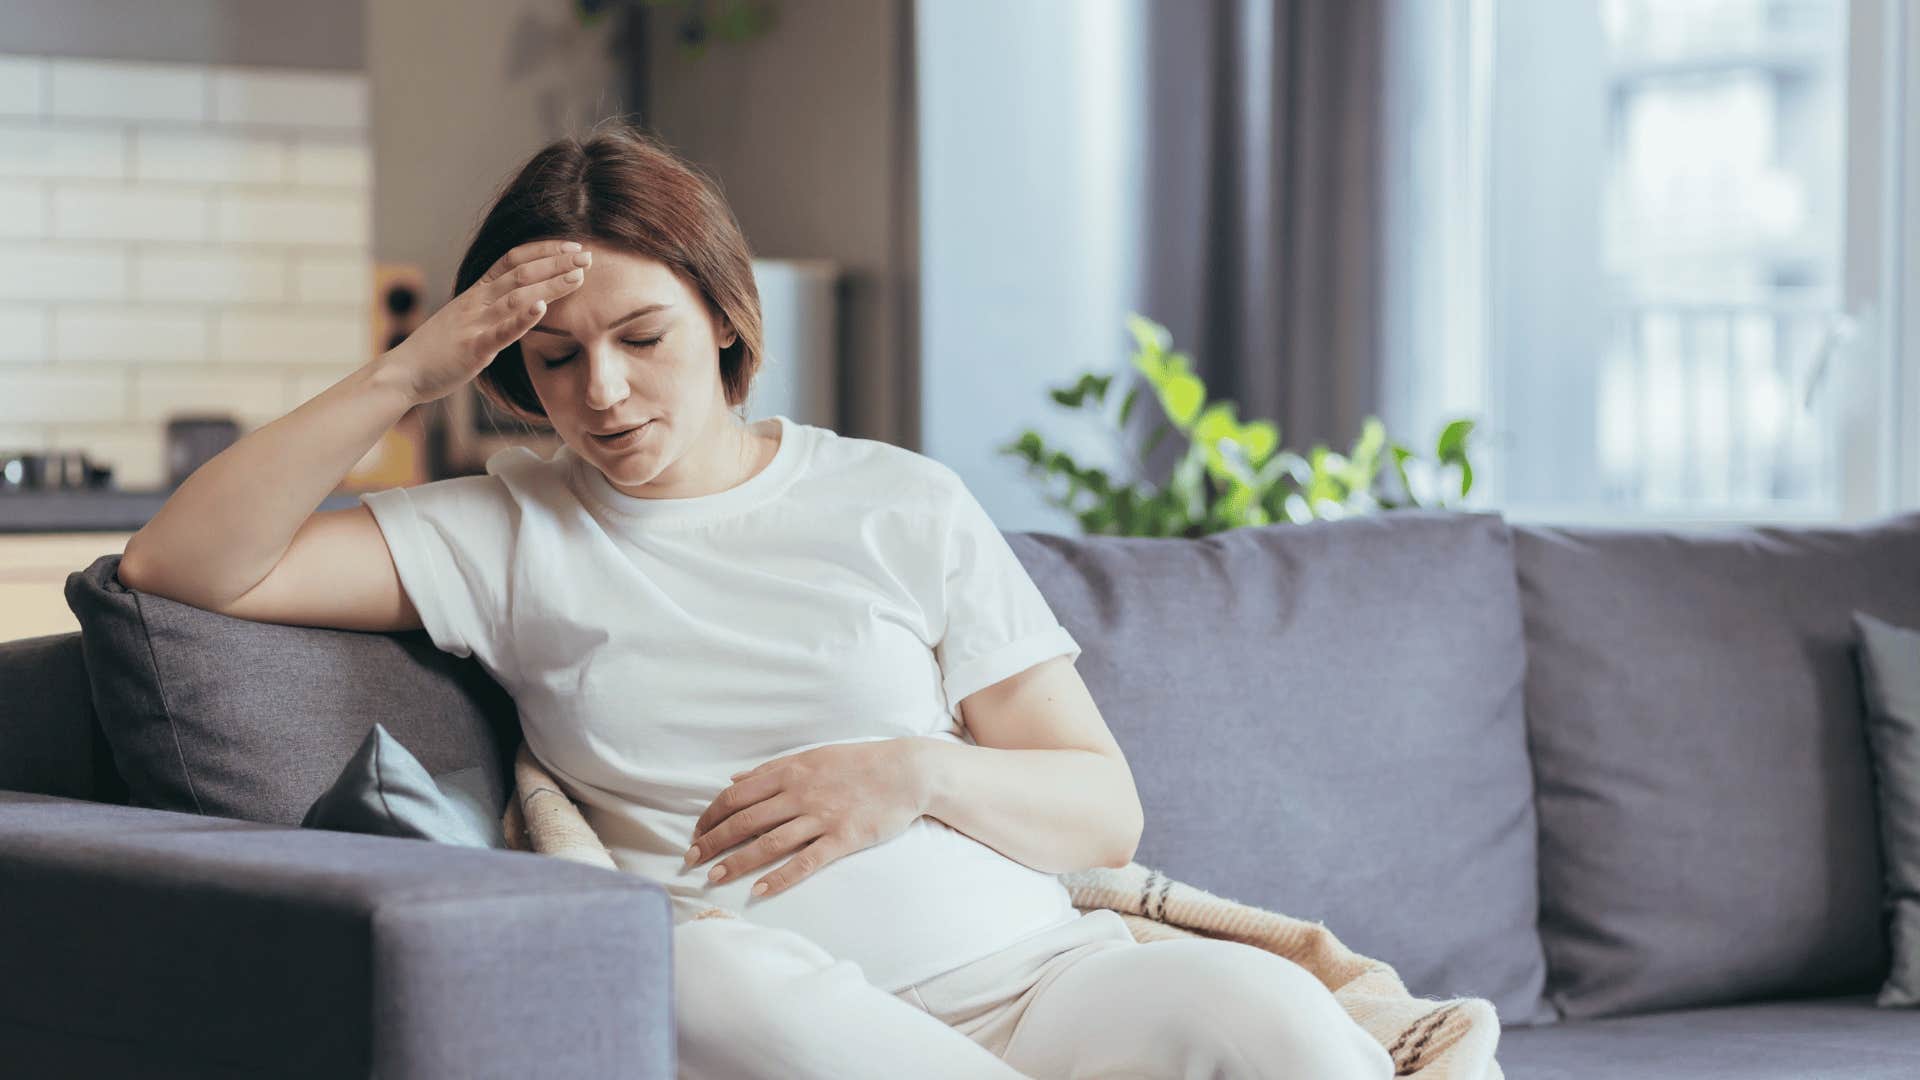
x=635, y=466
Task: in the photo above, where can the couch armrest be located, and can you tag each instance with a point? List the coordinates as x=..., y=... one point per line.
x=153, y=943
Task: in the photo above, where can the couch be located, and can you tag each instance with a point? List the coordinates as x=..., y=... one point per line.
x=1612, y=779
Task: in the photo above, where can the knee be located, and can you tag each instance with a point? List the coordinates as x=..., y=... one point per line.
x=734, y=988
x=1280, y=1020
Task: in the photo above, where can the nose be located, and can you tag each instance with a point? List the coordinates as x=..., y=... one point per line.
x=606, y=379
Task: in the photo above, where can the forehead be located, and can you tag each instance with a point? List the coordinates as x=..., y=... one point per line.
x=617, y=283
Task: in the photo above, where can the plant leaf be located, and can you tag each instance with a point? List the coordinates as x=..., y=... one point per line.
x=1260, y=438
x=1150, y=336
x=1453, y=442
x=1182, y=396
x=1216, y=423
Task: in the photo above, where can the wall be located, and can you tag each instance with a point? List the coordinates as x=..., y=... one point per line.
x=809, y=130
x=191, y=191
x=467, y=92
x=181, y=228
x=984, y=221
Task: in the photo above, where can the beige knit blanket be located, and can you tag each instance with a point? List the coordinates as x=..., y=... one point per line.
x=1429, y=1039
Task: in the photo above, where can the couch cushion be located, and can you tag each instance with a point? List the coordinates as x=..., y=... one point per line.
x=1324, y=719
x=1827, y=1039
x=1706, y=804
x=50, y=740
x=255, y=720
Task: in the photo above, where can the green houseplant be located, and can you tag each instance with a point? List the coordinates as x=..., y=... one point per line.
x=1234, y=473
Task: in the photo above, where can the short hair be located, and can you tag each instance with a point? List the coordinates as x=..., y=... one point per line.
x=621, y=185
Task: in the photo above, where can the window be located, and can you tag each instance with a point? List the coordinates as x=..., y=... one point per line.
x=1687, y=217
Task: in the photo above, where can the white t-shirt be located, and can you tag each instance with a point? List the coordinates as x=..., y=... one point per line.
x=851, y=590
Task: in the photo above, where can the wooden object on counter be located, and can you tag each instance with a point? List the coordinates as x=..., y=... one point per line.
x=400, y=458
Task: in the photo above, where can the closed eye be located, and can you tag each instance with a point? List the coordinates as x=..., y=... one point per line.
x=643, y=344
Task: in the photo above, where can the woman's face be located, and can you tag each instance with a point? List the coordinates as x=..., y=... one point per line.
x=633, y=345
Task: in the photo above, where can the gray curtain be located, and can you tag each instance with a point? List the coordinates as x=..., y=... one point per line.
x=1263, y=232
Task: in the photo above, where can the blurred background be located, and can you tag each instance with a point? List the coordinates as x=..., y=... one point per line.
x=1657, y=250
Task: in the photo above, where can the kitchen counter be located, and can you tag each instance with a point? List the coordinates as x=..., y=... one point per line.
x=47, y=535
x=100, y=510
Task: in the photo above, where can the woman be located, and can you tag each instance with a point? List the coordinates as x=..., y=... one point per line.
x=757, y=654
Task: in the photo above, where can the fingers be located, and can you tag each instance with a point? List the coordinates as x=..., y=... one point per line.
x=811, y=859
x=510, y=325
x=526, y=253
x=519, y=310
x=524, y=283
x=756, y=819
x=771, y=846
x=733, y=798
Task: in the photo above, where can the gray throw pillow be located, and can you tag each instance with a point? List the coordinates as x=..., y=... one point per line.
x=210, y=714
x=385, y=791
x=1890, y=680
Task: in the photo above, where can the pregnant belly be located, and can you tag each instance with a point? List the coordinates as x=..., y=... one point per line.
x=923, y=902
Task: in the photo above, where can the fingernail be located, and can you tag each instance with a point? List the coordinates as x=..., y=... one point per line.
x=760, y=889
x=693, y=854
x=717, y=872
x=570, y=246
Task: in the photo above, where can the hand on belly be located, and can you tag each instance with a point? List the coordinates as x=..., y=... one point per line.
x=816, y=806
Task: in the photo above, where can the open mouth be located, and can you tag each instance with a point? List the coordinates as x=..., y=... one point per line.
x=632, y=434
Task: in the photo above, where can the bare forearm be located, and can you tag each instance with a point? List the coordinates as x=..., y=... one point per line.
x=228, y=524
x=1054, y=810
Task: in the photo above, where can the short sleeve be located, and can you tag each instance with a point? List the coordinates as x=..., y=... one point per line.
x=451, y=540
x=996, y=623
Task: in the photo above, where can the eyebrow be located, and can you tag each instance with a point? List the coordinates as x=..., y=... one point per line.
x=621, y=321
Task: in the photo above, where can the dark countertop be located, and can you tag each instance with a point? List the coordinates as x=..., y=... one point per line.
x=99, y=510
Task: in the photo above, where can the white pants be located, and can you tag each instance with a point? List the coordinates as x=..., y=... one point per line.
x=1078, y=1002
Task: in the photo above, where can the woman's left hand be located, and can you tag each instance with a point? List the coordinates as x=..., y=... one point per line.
x=825, y=802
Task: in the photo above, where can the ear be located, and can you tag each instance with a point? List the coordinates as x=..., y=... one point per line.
x=723, y=331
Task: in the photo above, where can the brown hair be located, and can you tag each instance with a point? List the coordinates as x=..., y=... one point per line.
x=624, y=186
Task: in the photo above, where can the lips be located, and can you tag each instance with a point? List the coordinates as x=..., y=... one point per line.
x=617, y=432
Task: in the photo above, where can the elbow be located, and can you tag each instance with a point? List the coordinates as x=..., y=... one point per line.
x=131, y=569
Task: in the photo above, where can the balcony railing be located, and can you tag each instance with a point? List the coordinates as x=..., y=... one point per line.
x=1721, y=405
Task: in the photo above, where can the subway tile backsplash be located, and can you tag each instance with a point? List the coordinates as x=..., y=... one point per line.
x=175, y=238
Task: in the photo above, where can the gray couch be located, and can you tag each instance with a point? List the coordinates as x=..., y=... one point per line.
x=1613, y=780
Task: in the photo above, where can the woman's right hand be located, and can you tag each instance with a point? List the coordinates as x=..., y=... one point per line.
x=457, y=342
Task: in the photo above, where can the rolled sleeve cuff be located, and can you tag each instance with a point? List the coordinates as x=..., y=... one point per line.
x=1008, y=660
x=400, y=523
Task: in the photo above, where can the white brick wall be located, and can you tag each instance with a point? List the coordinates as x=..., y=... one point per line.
x=175, y=238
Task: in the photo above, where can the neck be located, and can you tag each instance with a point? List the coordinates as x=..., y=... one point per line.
x=726, y=456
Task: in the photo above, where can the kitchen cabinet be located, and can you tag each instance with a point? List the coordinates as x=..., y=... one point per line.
x=33, y=578
x=46, y=535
